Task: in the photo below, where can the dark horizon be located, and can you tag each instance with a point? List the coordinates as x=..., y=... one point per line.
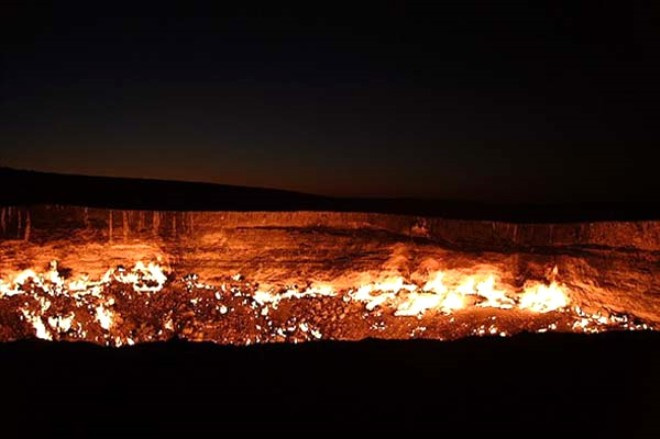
x=32, y=188
x=508, y=103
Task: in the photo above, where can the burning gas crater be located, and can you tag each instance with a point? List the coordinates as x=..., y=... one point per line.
x=148, y=303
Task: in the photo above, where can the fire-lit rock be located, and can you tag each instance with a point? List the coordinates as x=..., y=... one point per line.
x=124, y=277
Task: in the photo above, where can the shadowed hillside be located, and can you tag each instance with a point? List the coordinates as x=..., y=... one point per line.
x=29, y=187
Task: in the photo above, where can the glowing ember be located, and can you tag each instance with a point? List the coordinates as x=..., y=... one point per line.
x=146, y=303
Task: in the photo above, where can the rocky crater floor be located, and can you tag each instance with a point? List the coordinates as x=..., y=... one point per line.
x=124, y=277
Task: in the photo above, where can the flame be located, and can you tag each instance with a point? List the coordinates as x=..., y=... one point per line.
x=543, y=298
x=387, y=290
x=61, y=323
x=38, y=324
x=104, y=317
x=149, y=278
x=263, y=297
x=429, y=293
x=407, y=298
x=435, y=284
x=435, y=295
x=417, y=303
x=453, y=301
x=494, y=298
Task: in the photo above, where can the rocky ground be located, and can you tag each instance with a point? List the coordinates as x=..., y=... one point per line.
x=218, y=263
x=586, y=367
x=235, y=311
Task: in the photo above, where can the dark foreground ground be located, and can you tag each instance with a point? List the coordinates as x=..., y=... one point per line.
x=550, y=385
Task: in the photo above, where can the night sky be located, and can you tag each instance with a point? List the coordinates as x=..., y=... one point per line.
x=461, y=100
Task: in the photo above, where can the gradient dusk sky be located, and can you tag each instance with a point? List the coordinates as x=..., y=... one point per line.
x=496, y=101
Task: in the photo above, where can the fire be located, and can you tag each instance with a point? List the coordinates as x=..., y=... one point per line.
x=149, y=278
x=379, y=293
x=61, y=323
x=543, y=298
x=269, y=297
x=38, y=324
x=84, y=308
x=145, y=279
x=495, y=298
x=434, y=295
x=104, y=317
